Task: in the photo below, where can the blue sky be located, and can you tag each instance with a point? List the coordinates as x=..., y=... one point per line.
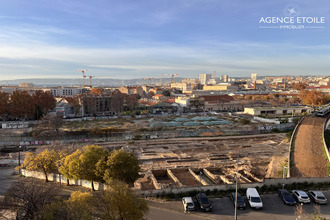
x=147, y=38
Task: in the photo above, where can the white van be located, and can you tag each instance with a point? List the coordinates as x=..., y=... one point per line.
x=188, y=204
x=254, y=199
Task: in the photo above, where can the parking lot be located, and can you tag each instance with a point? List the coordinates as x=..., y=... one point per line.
x=223, y=208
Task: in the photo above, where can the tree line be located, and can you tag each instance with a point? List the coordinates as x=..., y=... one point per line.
x=117, y=170
x=22, y=105
x=92, y=163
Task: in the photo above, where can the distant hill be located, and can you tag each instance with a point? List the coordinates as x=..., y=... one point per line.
x=96, y=82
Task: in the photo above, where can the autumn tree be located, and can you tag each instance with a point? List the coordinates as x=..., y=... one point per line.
x=131, y=101
x=44, y=161
x=122, y=166
x=4, y=101
x=96, y=91
x=117, y=102
x=299, y=86
x=82, y=164
x=313, y=98
x=119, y=202
x=44, y=102
x=21, y=104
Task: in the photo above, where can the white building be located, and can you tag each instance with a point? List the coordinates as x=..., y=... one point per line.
x=278, y=110
x=203, y=78
x=65, y=91
x=254, y=77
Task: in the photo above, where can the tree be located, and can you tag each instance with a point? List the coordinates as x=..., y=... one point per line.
x=82, y=164
x=131, y=101
x=45, y=161
x=299, y=86
x=313, y=98
x=4, y=101
x=21, y=104
x=69, y=168
x=30, y=197
x=119, y=202
x=96, y=91
x=117, y=102
x=122, y=166
x=43, y=101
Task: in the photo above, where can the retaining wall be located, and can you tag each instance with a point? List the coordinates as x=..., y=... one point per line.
x=291, y=145
x=99, y=186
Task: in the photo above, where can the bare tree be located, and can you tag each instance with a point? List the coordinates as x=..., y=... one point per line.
x=30, y=197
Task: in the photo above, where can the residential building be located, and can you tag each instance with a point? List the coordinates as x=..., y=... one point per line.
x=204, y=78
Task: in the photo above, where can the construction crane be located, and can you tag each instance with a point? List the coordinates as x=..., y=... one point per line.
x=84, y=77
x=90, y=80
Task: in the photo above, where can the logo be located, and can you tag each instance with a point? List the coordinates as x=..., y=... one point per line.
x=291, y=10
x=292, y=20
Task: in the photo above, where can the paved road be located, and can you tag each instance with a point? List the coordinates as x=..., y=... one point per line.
x=274, y=209
x=7, y=175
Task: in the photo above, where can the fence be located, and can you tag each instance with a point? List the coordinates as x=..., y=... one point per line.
x=292, y=145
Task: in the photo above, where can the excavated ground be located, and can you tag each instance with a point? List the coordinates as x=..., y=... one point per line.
x=220, y=156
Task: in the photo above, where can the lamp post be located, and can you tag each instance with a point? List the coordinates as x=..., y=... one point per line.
x=236, y=177
x=19, y=155
x=19, y=159
x=284, y=168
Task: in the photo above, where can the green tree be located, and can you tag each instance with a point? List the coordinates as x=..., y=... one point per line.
x=45, y=161
x=122, y=166
x=77, y=207
x=119, y=202
x=69, y=167
x=82, y=164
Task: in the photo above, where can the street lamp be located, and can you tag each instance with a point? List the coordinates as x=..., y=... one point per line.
x=236, y=177
x=284, y=168
x=19, y=155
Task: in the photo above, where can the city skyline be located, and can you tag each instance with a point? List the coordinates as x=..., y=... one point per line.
x=131, y=39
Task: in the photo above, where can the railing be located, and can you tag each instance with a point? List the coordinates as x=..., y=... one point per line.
x=291, y=146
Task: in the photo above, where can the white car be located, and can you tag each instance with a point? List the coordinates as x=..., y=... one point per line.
x=188, y=204
x=301, y=196
x=254, y=199
x=318, y=197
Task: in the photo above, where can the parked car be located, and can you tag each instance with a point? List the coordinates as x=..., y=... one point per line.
x=301, y=196
x=254, y=199
x=318, y=197
x=203, y=202
x=188, y=204
x=287, y=198
x=240, y=201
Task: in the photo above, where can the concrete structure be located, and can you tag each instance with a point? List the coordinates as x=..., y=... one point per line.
x=278, y=110
x=203, y=78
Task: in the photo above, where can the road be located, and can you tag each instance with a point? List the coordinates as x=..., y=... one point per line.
x=7, y=175
x=274, y=209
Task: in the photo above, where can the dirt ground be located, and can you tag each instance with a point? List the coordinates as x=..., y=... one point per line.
x=308, y=149
x=257, y=157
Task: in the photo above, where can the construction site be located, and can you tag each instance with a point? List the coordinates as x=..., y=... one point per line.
x=191, y=162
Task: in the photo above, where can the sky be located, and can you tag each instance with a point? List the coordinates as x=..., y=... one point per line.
x=153, y=38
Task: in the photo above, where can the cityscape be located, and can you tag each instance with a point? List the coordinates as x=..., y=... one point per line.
x=164, y=110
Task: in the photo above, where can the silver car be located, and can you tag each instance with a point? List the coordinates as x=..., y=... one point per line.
x=301, y=196
x=318, y=197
